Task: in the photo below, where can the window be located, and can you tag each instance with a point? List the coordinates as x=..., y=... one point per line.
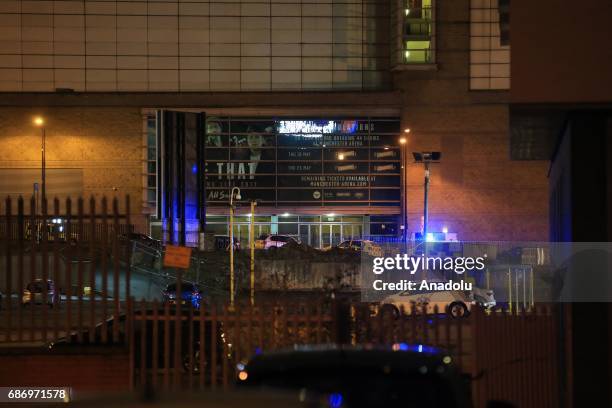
x=383, y=225
x=288, y=229
x=489, y=44
x=418, y=31
x=415, y=37
x=150, y=163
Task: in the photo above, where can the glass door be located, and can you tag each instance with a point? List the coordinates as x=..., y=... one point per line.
x=330, y=235
x=304, y=231
x=336, y=235
x=314, y=236
x=325, y=236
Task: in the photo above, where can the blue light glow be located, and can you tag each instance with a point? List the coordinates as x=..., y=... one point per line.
x=419, y=348
x=335, y=400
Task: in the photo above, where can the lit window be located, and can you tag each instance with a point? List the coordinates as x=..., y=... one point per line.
x=417, y=32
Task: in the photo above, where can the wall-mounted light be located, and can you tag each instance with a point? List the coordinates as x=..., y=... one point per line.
x=407, y=130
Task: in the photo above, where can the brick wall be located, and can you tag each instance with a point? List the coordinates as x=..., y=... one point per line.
x=104, y=143
x=476, y=190
x=100, y=369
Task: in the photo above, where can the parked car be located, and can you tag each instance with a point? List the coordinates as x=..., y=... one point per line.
x=456, y=304
x=273, y=241
x=55, y=229
x=34, y=293
x=222, y=242
x=400, y=376
x=369, y=247
x=191, y=294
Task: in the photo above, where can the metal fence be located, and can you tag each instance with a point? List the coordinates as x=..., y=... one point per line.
x=61, y=277
x=512, y=356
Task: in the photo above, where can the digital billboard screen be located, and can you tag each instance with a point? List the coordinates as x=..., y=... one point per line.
x=296, y=161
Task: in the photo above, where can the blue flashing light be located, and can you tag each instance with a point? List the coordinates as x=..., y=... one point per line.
x=258, y=351
x=335, y=400
x=194, y=168
x=419, y=348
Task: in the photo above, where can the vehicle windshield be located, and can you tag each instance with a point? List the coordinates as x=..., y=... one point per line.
x=37, y=287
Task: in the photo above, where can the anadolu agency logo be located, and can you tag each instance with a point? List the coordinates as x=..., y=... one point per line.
x=405, y=266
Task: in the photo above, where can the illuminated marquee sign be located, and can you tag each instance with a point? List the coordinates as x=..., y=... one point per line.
x=303, y=162
x=310, y=128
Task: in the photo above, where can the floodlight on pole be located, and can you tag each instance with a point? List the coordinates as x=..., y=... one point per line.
x=426, y=158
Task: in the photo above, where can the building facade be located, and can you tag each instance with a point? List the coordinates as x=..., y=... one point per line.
x=301, y=104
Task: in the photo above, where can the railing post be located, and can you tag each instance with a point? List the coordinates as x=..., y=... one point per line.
x=9, y=269
x=341, y=321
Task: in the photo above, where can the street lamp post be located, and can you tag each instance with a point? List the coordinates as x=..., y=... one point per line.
x=40, y=122
x=236, y=191
x=252, y=247
x=426, y=158
x=426, y=200
x=403, y=193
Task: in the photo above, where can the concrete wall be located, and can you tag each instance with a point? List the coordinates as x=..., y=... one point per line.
x=82, y=369
x=104, y=143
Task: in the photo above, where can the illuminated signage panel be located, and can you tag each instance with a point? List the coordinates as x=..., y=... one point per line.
x=287, y=161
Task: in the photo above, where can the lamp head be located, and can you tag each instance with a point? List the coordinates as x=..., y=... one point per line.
x=238, y=196
x=426, y=157
x=39, y=121
x=403, y=140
